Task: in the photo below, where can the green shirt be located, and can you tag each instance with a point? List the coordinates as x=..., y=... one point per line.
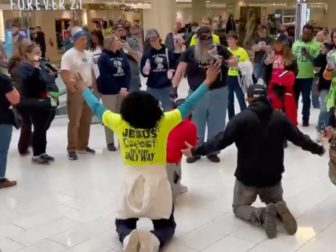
x=242, y=56
x=305, y=66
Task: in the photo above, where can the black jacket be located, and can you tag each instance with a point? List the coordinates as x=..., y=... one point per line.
x=259, y=133
x=321, y=61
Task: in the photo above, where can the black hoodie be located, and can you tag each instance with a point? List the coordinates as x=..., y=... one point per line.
x=259, y=133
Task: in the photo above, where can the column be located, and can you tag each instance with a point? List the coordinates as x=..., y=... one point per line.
x=46, y=19
x=198, y=10
x=331, y=17
x=162, y=16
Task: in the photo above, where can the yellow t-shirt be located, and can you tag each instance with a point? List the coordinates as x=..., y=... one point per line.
x=214, y=37
x=141, y=147
x=242, y=56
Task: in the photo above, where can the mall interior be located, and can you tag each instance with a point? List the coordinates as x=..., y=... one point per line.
x=72, y=206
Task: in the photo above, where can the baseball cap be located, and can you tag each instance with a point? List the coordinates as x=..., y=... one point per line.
x=280, y=37
x=152, y=33
x=204, y=36
x=256, y=91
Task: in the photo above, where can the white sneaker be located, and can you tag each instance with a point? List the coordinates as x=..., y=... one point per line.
x=183, y=189
x=148, y=242
x=132, y=242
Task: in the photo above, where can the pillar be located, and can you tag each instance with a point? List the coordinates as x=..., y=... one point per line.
x=198, y=10
x=46, y=19
x=331, y=17
x=161, y=16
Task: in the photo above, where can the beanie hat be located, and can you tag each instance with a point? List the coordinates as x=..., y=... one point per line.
x=77, y=32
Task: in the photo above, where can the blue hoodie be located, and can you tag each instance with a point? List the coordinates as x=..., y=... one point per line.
x=159, y=67
x=114, y=72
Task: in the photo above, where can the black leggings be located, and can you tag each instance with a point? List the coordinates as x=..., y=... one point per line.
x=41, y=120
x=164, y=229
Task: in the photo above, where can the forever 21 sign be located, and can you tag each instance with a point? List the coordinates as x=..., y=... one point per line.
x=46, y=4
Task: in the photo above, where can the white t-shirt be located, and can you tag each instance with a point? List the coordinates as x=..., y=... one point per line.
x=78, y=62
x=95, y=56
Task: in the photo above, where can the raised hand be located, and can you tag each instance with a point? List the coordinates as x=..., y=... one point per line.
x=212, y=73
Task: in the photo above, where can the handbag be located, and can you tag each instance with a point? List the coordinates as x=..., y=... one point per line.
x=16, y=118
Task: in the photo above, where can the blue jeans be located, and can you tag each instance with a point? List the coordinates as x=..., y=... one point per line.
x=163, y=96
x=324, y=116
x=211, y=111
x=258, y=70
x=234, y=88
x=5, y=139
x=304, y=87
x=315, y=95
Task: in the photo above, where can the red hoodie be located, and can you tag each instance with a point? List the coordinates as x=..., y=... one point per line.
x=186, y=131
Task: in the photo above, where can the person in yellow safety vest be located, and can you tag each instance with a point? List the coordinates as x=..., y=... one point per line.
x=206, y=22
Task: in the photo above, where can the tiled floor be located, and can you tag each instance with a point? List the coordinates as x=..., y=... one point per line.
x=70, y=206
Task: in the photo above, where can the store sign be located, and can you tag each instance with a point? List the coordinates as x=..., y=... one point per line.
x=30, y=5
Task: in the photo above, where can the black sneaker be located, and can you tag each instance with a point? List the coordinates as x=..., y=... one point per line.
x=214, y=158
x=49, y=158
x=72, y=155
x=40, y=160
x=191, y=160
x=111, y=147
x=87, y=151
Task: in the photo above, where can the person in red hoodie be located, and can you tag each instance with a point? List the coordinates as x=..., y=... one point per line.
x=186, y=131
x=281, y=70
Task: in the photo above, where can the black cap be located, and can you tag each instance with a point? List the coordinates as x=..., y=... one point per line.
x=280, y=37
x=204, y=36
x=256, y=91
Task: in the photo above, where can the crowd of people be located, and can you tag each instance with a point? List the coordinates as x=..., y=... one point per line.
x=153, y=128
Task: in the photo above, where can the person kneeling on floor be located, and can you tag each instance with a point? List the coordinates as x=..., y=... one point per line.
x=142, y=129
x=259, y=133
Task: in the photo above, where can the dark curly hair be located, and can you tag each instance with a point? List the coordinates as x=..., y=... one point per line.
x=141, y=110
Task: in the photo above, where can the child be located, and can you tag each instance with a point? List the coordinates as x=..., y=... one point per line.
x=142, y=129
x=186, y=131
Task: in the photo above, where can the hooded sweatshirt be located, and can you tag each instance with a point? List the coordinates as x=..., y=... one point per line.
x=259, y=133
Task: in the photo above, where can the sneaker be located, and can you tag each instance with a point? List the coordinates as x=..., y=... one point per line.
x=132, y=242
x=49, y=158
x=148, y=242
x=5, y=183
x=40, y=160
x=270, y=222
x=214, y=158
x=87, y=151
x=194, y=159
x=111, y=147
x=72, y=155
x=183, y=189
x=287, y=218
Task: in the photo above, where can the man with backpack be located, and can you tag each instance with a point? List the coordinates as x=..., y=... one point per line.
x=211, y=110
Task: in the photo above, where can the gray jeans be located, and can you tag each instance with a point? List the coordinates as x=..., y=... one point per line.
x=174, y=176
x=245, y=196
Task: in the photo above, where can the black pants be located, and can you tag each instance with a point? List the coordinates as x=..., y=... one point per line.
x=164, y=229
x=25, y=139
x=41, y=120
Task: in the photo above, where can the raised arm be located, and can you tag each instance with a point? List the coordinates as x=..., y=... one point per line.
x=97, y=108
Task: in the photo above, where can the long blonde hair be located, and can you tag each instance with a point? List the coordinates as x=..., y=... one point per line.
x=287, y=55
